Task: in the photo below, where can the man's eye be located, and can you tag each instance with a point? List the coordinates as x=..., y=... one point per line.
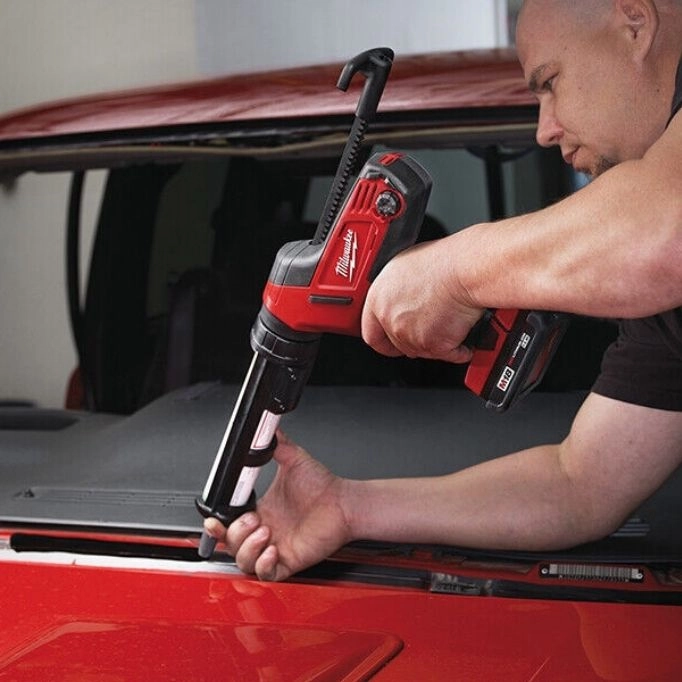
x=548, y=85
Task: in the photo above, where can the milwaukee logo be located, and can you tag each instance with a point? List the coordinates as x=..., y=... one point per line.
x=345, y=265
x=504, y=381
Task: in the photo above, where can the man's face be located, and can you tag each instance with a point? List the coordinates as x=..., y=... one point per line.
x=585, y=85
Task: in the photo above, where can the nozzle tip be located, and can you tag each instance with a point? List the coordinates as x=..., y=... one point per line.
x=206, y=545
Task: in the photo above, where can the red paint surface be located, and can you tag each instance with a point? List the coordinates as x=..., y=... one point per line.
x=69, y=622
x=487, y=78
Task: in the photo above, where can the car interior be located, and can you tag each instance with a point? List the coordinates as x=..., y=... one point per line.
x=181, y=309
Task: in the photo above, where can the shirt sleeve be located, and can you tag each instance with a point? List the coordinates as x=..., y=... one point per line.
x=677, y=97
x=644, y=365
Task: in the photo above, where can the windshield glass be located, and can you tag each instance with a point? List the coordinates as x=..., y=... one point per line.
x=172, y=262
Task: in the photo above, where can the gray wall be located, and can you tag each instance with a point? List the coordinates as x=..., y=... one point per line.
x=58, y=48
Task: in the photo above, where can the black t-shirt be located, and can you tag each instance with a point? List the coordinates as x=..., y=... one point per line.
x=644, y=365
x=677, y=97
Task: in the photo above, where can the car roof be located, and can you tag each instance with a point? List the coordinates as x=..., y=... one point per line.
x=439, y=81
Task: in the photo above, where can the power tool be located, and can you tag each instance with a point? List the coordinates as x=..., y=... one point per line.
x=319, y=286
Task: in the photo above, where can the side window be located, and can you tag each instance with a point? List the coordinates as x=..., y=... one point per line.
x=183, y=234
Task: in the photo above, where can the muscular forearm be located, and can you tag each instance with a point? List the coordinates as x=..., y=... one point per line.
x=611, y=250
x=548, y=497
x=522, y=501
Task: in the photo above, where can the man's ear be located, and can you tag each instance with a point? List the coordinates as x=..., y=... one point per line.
x=639, y=21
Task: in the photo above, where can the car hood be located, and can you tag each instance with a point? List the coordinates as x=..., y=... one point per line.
x=90, y=619
x=99, y=608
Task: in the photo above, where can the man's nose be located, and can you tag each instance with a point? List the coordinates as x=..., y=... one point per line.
x=549, y=131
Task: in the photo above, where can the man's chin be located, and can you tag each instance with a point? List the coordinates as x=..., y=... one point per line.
x=591, y=167
x=601, y=166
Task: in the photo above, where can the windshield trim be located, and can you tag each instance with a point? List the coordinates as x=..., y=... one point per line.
x=72, y=155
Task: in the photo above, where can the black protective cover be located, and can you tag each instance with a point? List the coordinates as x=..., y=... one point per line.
x=144, y=471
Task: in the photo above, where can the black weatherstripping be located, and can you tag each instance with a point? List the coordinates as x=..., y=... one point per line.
x=27, y=542
x=271, y=132
x=73, y=278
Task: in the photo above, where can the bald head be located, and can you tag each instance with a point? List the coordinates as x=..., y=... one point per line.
x=585, y=10
x=589, y=17
x=582, y=11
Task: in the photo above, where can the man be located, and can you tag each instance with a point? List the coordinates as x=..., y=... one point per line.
x=606, y=76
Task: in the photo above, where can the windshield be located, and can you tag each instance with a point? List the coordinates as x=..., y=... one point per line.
x=166, y=276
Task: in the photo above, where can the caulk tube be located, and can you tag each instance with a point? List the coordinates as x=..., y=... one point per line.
x=260, y=453
x=273, y=386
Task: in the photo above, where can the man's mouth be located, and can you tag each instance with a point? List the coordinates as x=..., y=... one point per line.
x=569, y=156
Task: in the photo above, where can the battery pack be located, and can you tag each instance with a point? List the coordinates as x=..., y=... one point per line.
x=512, y=353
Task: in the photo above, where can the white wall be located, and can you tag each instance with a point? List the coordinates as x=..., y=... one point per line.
x=58, y=48
x=51, y=49
x=257, y=34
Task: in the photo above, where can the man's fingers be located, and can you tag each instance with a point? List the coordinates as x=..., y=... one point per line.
x=238, y=531
x=459, y=355
x=247, y=555
x=268, y=566
x=393, y=345
x=381, y=343
x=397, y=348
x=247, y=541
x=288, y=453
x=215, y=529
x=375, y=336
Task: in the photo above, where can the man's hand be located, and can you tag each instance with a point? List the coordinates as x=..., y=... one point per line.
x=298, y=522
x=417, y=308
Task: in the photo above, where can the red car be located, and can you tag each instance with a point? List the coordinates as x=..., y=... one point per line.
x=202, y=183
